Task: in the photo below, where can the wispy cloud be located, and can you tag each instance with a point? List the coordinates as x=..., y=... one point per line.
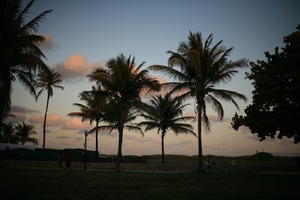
x=18, y=114
x=76, y=67
x=23, y=109
x=53, y=120
x=76, y=124
x=16, y=117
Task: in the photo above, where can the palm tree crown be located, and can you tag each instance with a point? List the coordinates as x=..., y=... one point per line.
x=166, y=113
x=7, y=134
x=23, y=133
x=197, y=68
x=123, y=80
x=47, y=80
x=20, y=53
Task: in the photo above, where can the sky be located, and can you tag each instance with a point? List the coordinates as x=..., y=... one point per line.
x=83, y=35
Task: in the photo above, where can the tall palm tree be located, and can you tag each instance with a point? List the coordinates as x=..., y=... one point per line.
x=165, y=113
x=19, y=50
x=23, y=133
x=123, y=81
x=197, y=68
x=93, y=110
x=47, y=80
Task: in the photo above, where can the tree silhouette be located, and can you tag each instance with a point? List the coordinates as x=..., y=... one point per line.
x=201, y=67
x=20, y=54
x=47, y=80
x=93, y=110
x=123, y=81
x=8, y=134
x=23, y=132
x=275, y=109
x=165, y=113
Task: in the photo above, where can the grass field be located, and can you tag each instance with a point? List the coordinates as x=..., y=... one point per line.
x=76, y=184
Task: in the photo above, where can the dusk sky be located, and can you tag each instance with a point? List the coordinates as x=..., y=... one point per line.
x=82, y=35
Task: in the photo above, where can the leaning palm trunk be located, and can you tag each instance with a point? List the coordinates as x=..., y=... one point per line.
x=45, y=119
x=200, y=165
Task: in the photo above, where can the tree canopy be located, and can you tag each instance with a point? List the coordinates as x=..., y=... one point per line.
x=275, y=109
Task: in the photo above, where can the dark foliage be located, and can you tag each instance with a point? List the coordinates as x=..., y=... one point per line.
x=275, y=109
x=20, y=54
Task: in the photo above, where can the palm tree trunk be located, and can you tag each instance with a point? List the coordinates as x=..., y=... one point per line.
x=85, y=145
x=97, y=152
x=162, y=147
x=119, y=158
x=200, y=166
x=45, y=119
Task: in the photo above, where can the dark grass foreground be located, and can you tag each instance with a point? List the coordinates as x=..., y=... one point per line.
x=75, y=184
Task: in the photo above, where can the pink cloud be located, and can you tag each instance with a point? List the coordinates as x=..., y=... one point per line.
x=36, y=119
x=52, y=120
x=190, y=114
x=76, y=124
x=76, y=66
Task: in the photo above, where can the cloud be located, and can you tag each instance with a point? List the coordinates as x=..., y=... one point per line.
x=76, y=67
x=18, y=114
x=47, y=43
x=16, y=117
x=243, y=130
x=22, y=109
x=35, y=119
x=63, y=137
x=52, y=120
x=76, y=124
x=190, y=114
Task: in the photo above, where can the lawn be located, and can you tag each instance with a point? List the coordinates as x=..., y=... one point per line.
x=76, y=184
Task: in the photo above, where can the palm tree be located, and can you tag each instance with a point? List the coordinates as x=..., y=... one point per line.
x=47, y=80
x=93, y=110
x=165, y=113
x=20, y=53
x=201, y=67
x=23, y=133
x=123, y=81
x=8, y=134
